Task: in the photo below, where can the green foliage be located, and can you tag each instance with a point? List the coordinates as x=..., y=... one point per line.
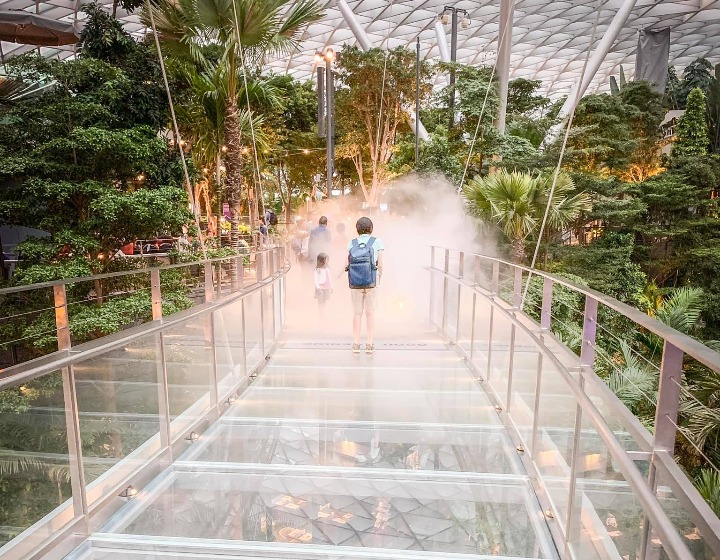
x=606, y=265
x=708, y=484
x=692, y=129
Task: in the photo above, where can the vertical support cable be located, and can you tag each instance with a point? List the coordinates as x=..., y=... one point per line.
x=511, y=365
x=587, y=352
x=445, y=291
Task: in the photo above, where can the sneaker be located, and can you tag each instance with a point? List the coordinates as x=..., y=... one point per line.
x=356, y=348
x=369, y=348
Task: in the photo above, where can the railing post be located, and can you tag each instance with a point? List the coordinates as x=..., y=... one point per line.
x=573, y=515
x=155, y=294
x=262, y=321
x=163, y=393
x=461, y=274
x=209, y=291
x=495, y=283
x=490, y=338
x=517, y=288
x=62, y=320
x=472, y=326
x=244, y=331
x=587, y=352
x=511, y=364
x=259, y=266
x=218, y=286
x=546, y=310
x=241, y=270
x=446, y=268
x=536, y=403
x=210, y=344
x=75, y=454
x=432, y=283
x=476, y=271
x=668, y=403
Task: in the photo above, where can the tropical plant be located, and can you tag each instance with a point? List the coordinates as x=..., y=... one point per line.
x=244, y=32
x=633, y=381
x=708, y=484
x=516, y=202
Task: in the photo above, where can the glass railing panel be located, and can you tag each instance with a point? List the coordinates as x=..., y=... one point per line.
x=500, y=351
x=407, y=514
x=483, y=310
x=552, y=444
x=465, y=318
x=693, y=537
x=34, y=462
x=253, y=330
x=525, y=368
x=278, y=311
x=229, y=346
x=117, y=396
x=606, y=516
x=189, y=367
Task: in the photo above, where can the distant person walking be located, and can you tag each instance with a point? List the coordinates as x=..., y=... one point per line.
x=365, y=261
x=320, y=239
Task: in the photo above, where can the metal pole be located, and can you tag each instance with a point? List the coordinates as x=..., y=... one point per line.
x=417, y=101
x=453, y=57
x=321, y=101
x=330, y=126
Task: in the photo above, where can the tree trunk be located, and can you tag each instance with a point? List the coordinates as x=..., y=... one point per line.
x=233, y=168
x=518, y=251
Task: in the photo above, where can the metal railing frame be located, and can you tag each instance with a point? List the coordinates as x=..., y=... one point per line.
x=63, y=529
x=657, y=448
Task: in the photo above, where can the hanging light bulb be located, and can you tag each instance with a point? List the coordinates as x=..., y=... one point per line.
x=444, y=18
x=465, y=22
x=318, y=57
x=329, y=54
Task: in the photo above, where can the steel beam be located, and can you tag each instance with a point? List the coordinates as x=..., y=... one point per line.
x=593, y=64
x=507, y=16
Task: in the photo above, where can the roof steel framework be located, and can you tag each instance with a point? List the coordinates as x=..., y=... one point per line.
x=550, y=37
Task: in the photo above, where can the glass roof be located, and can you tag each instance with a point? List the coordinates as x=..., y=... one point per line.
x=550, y=37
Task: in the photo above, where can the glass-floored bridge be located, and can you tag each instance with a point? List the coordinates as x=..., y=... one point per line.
x=245, y=428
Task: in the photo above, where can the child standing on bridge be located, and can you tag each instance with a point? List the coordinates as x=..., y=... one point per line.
x=323, y=285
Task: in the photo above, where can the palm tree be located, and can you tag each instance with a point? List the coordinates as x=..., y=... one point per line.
x=201, y=120
x=245, y=32
x=516, y=202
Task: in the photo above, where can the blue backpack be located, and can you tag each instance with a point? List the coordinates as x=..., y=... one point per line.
x=362, y=268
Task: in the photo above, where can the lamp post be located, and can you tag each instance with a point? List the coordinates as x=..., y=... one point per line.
x=326, y=108
x=451, y=13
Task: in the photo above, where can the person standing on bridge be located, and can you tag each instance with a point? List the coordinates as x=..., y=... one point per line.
x=364, y=271
x=320, y=240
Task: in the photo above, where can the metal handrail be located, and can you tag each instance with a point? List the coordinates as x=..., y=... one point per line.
x=661, y=443
x=687, y=344
x=120, y=273
x=32, y=369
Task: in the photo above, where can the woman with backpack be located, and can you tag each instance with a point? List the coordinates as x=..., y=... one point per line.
x=364, y=271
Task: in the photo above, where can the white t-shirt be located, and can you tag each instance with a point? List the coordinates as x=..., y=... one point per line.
x=322, y=279
x=377, y=246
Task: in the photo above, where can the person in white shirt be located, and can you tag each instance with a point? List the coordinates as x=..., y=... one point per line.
x=323, y=284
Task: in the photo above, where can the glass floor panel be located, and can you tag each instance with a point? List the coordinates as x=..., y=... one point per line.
x=448, y=449
x=385, y=378
x=448, y=407
x=333, y=456
x=391, y=512
x=344, y=357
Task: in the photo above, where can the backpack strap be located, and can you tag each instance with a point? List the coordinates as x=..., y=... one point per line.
x=370, y=242
x=355, y=244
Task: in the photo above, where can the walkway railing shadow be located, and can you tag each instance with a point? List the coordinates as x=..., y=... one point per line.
x=608, y=486
x=86, y=427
